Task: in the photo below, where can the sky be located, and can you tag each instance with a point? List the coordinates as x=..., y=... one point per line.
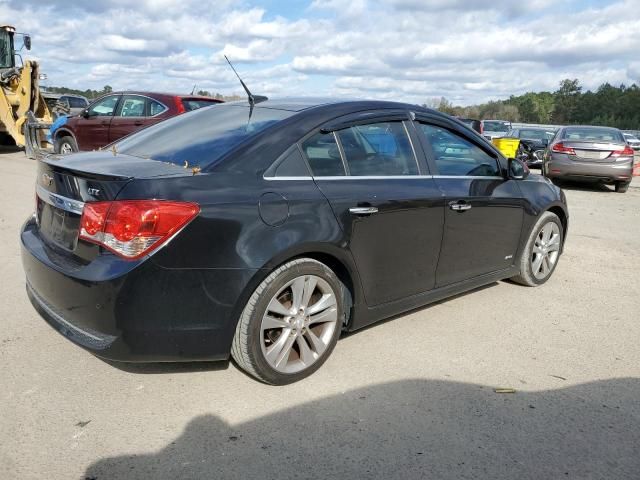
x=469, y=51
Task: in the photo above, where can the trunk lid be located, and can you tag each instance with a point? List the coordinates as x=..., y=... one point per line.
x=593, y=151
x=65, y=183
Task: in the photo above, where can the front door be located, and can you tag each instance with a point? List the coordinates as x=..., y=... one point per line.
x=92, y=131
x=483, y=211
x=391, y=212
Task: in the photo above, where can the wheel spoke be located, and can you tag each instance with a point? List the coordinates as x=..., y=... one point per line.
x=280, y=350
x=537, y=262
x=554, y=243
x=327, y=300
x=269, y=322
x=316, y=342
x=276, y=306
x=297, y=292
x=309, y=287
x=307, y=356
x=547, y=231
x=545, y=265
x=537, y=250
x=328, y=315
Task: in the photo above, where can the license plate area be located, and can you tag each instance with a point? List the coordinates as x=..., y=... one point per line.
x=58, y=226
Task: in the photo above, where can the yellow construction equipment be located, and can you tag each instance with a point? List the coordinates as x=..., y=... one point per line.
x=24, y=115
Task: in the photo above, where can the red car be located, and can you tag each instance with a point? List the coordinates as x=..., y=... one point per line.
x=118, y=114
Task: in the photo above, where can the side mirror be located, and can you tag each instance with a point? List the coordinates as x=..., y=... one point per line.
x=27, y=42
x=518, y=170
x=85, y=113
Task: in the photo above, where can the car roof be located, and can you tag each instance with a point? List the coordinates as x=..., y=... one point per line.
x=298, y=104
x=591, y=127
x=164, y=94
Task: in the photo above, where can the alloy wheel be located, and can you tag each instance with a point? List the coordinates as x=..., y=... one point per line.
x=546, y=250
x=298, y=324
x=66, y=149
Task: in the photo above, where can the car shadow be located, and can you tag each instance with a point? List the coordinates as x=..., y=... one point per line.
x=408, y=430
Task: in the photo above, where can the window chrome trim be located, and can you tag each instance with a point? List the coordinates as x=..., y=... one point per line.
x=384, y=177
x=288, y=178
x=58, y=201
x=413, y=149
x=472, y=177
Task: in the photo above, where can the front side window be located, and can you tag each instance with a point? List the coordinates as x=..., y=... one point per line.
x=132, y=106
x=457, y=156
x=378, y=149
x=104, y=107
x=323, y=154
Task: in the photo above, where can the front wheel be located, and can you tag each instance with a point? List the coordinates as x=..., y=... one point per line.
x=65, y=145
x=541, y=252
x=291, y=323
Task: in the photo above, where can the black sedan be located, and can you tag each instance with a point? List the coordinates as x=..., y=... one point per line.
x=533, y=142
x=264, y=231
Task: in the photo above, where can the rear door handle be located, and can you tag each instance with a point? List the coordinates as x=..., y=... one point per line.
x=459, y=206
x=363, y=210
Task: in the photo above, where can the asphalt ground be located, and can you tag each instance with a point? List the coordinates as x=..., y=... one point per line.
x=412, y=397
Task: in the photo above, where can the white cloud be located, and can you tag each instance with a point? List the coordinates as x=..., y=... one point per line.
x=466, y=50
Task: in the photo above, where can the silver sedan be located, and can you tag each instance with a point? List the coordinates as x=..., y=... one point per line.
x=588, y=153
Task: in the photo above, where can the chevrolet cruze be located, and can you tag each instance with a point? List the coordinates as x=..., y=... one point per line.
x=263, y=231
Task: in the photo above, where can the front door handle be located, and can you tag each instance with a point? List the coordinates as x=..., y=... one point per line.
x=460, y=206
x=363, y=210
x=138, y=122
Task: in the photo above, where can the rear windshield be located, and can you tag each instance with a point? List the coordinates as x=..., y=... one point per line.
x=194, y=104
x=496, y=126
x=201, y=137
x=593, y=134
x=536, y=134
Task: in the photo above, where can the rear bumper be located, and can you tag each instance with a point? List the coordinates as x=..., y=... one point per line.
x=142, y=314
x=605, y=172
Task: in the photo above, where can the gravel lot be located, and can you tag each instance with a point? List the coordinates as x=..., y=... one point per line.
x=409, y=398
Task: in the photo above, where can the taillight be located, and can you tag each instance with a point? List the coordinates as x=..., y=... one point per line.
x=627, y=151
x=560, y=148
x=134, y=228
x=179, y=105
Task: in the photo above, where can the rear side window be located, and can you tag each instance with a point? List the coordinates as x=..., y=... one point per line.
x=457, y=156
x=201, y=137
x=378, y=149
x=132, y=106
x=155, y=108
x=323, y=155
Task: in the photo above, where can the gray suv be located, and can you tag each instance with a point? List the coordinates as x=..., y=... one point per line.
x=588, y=153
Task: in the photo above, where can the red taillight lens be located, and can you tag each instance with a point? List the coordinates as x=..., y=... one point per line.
x=179, y=105
x=560, y=148
x=627, y=151
x=134, y=228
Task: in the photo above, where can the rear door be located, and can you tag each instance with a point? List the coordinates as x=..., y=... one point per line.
x=93, y=132
x=385, y=201
x=134, y=112
x=484, y=211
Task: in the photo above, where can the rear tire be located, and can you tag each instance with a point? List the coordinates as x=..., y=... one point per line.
x=622, y=187
x=65, y=145
x=291, y=323
x=541, y=253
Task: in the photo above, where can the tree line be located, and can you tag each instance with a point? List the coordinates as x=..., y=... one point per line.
x=607, y=105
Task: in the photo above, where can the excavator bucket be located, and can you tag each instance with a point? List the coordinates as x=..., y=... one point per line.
x=35, y=137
